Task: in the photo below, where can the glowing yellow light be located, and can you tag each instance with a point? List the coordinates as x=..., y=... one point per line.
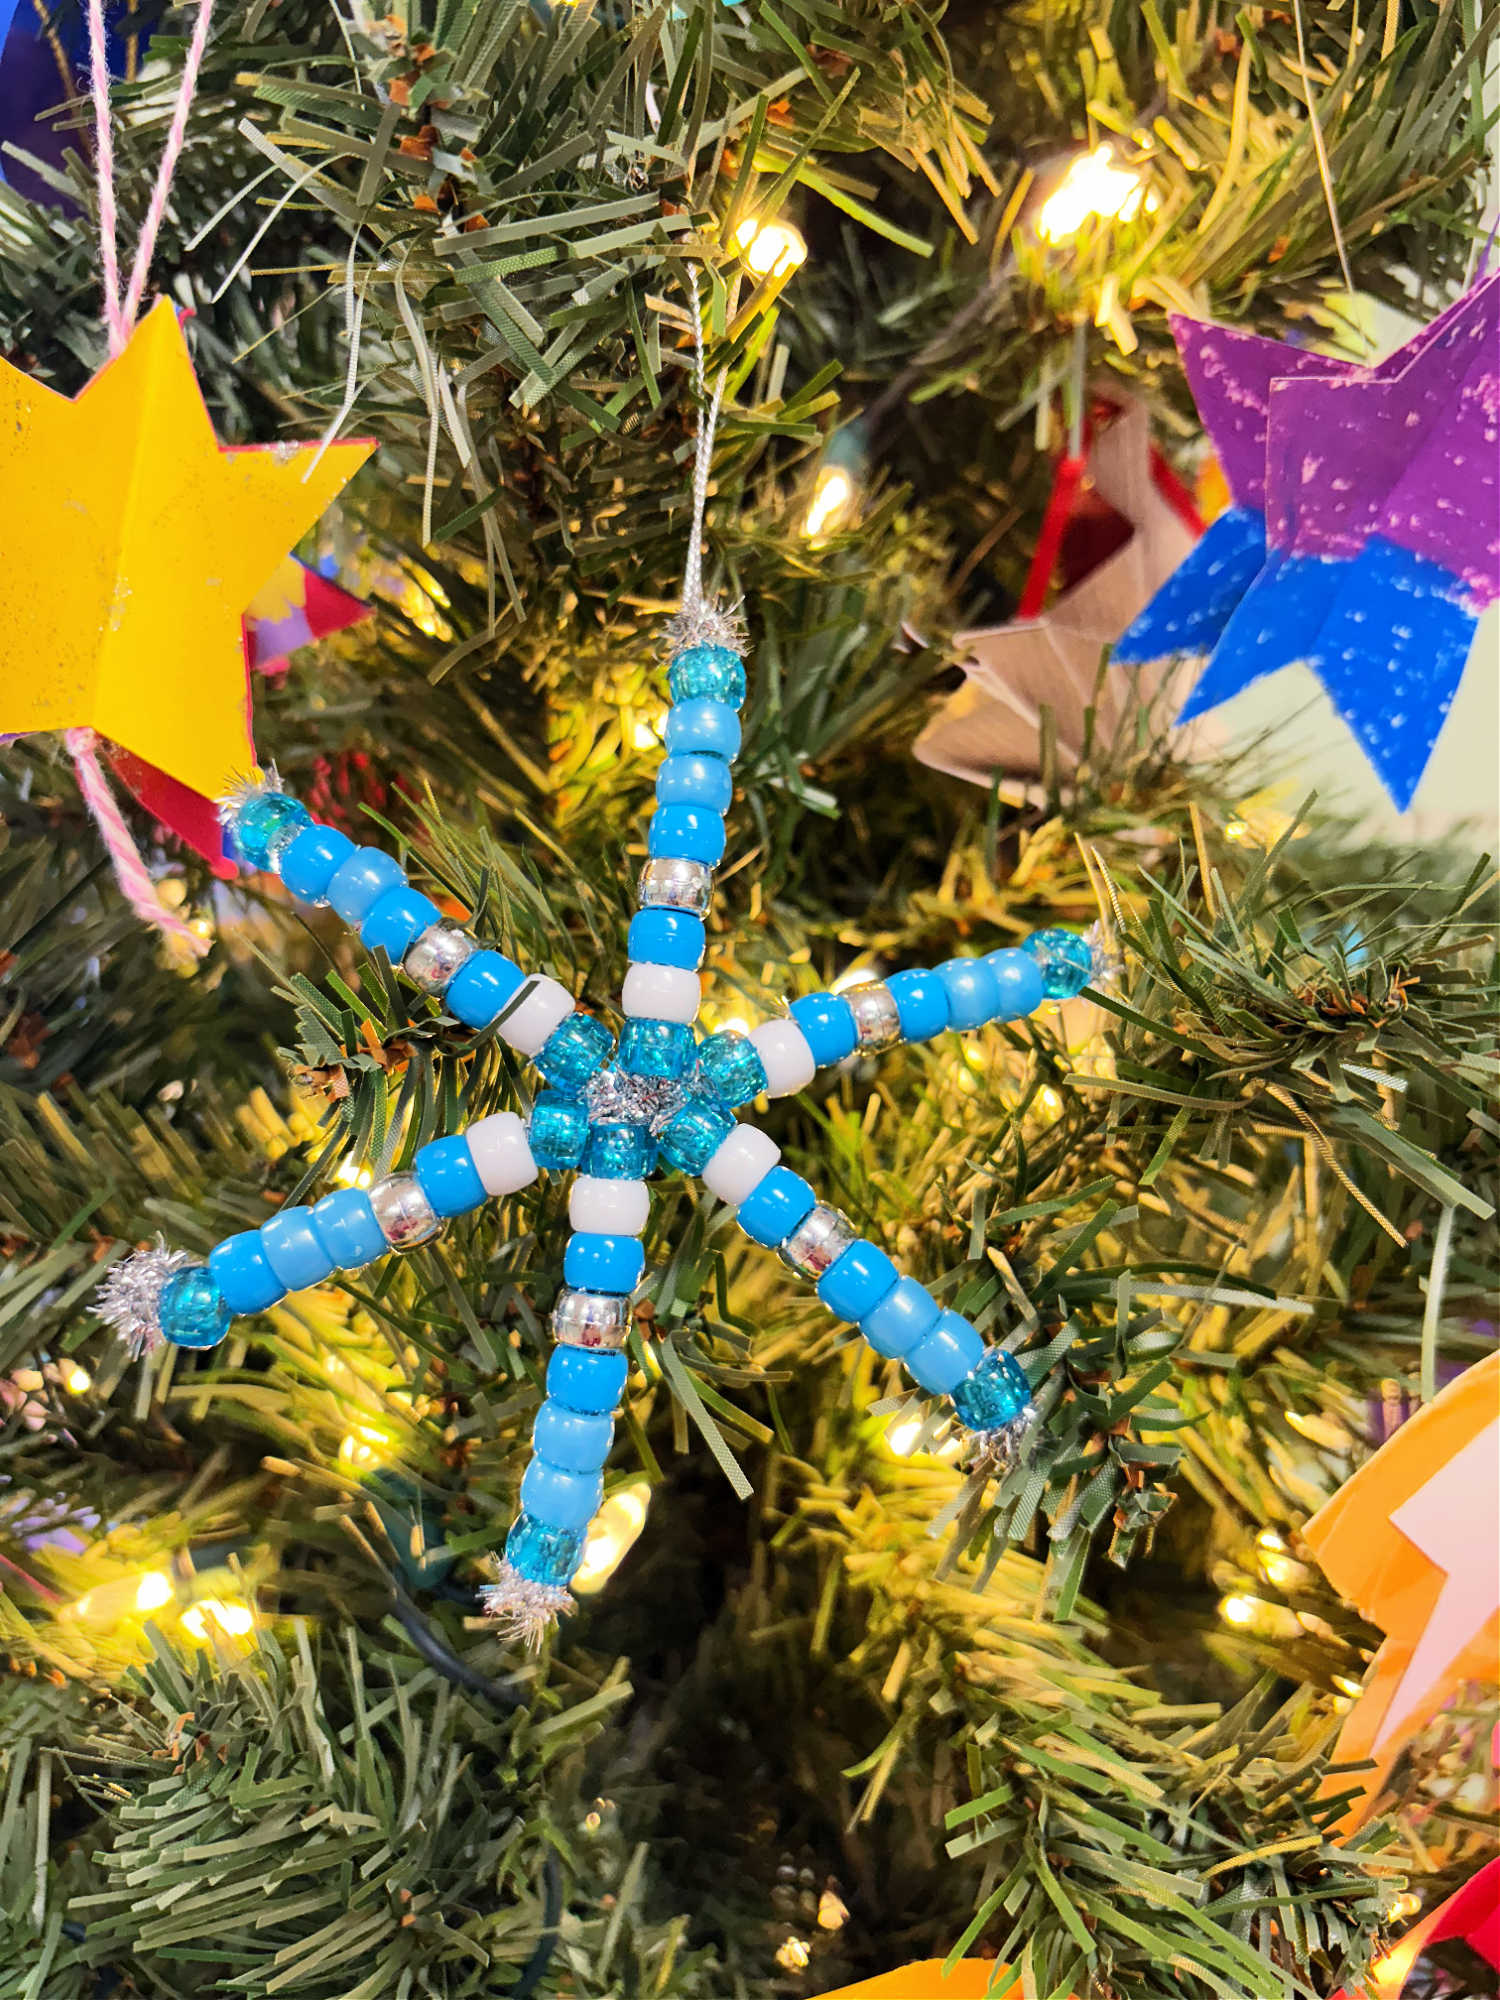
x=614, y=1531
x=365, y=1445
x=1237, y=1609
x=1238, y=830
x=592, y=1821
x=77, y=1379
x=229, y=1614
x=1092, y=186
x=645, y=734
x=1049, y=1104
x=901, y=1438
x=1405, y=1906
x=736, y=1025
x=833, y=497
x=1280, y=1570
x=351, y=1173
x=1269, y=1539
x=153, y=1591
x=81, y=1608
x=832, y=1912
x=794, y=1955
x=1347, y=1684
x=771, y=249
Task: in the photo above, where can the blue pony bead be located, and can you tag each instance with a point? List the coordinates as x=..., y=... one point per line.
x=348, y=1229
x=687, y=833
x=690, y=1139
x=1065, y=960
x=691, y=779
x=707, y=671
x=710, y=727
x=541, y=1553
x=586, y=1378
x=667, y=937
x=657, y=1048
x=573, y=1053
x=447, y=1175
x=772, y=1210
x=921, y=1002
x=1018, y=979
x=308, y=865
x=855, y=1283
x=265, y=825
x=943, y=1357
x=827, y=1025
x=361, y=880
x=241, y=1270
x=576, y=1440
x=294, y=1249
x=480, y=988
x=973, y=995
x=619, y=1152
x=192, y=1311
x=561, y=1499
x=906, y=1315
x=730, y=1069
x=396, y=920
x=994, y=1393
x=558, y=1130
x=603, y=1263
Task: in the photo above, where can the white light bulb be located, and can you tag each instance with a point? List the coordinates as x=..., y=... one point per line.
x=1092, y=186
x=770, y=249
x=833, y=495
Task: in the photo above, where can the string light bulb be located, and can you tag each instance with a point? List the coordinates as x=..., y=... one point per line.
x=363, y=1446
x=795, y=1955
x=77, y=1379
x=901, y=1441
x=1092, y=187
x=153, y=1591
x=613, y=1533
x=1238, y=1609
x=232, y=1616
x=350, y=1172
x=770, y=249
x=832, y=502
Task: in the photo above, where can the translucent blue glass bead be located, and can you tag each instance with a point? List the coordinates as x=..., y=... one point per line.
x=711, y=671
x=657, y=1048
x=360, y=881
x=1065, y=960
x=730, y=1069
x=973, y=996
x=576, y=1440
x=690, y=833
x=348, y=1230
x=690, y=1139
x=858, y=1281
x=447, y=1175
x=480, y=988
x=692, y=779
x=827, y=1024
x=922, y=1002
x=396, y=920
x=307, y=866
x=711, y=727
x=994, y=1393
x=294, y=1249
x=1019, y=980
x=265, y=825
x=558, y=1130
x=942, y=1358
x=572, y=1053
x=603, y=1263
x=906, y=1314
x=770, y=1212
x=541, y=1553
x=561, y=1499
x=586, y=1378
x=192, y=1311
x=667, y=937
x=619, y=1152
x=240, y=1269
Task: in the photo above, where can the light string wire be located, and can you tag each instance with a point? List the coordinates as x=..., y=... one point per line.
x=120, y=315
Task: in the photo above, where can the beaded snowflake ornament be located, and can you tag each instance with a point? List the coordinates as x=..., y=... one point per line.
x=613, y=1111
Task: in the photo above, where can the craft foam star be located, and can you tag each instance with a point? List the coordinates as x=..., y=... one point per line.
x=993, y=722
x=1365, y=535
x=135, y=542
x=1413, y=1540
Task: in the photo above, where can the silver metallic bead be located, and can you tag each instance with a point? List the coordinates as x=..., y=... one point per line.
x=405, y=1215
x=590, y=1319
x=818, y=1241
x=671, y=883
x=435, y=956
x=877, y=1021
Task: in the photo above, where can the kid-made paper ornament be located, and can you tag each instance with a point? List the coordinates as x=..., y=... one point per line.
x=297, y=607
x=135, y=542
x=1413, y=1541
x=992, y=724
x=1365, y=535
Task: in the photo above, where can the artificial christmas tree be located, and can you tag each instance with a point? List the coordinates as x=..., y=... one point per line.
x=830, y=1703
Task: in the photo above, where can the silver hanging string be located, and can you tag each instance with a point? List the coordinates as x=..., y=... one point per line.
x=697, y=622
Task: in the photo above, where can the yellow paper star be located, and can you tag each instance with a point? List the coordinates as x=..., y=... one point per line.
x=134, y=543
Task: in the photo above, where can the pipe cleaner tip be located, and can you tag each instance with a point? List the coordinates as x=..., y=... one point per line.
x=129, y=1299
x=253, y=785
x=524, y=1610
x=704, y=624
x=996, y=1452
